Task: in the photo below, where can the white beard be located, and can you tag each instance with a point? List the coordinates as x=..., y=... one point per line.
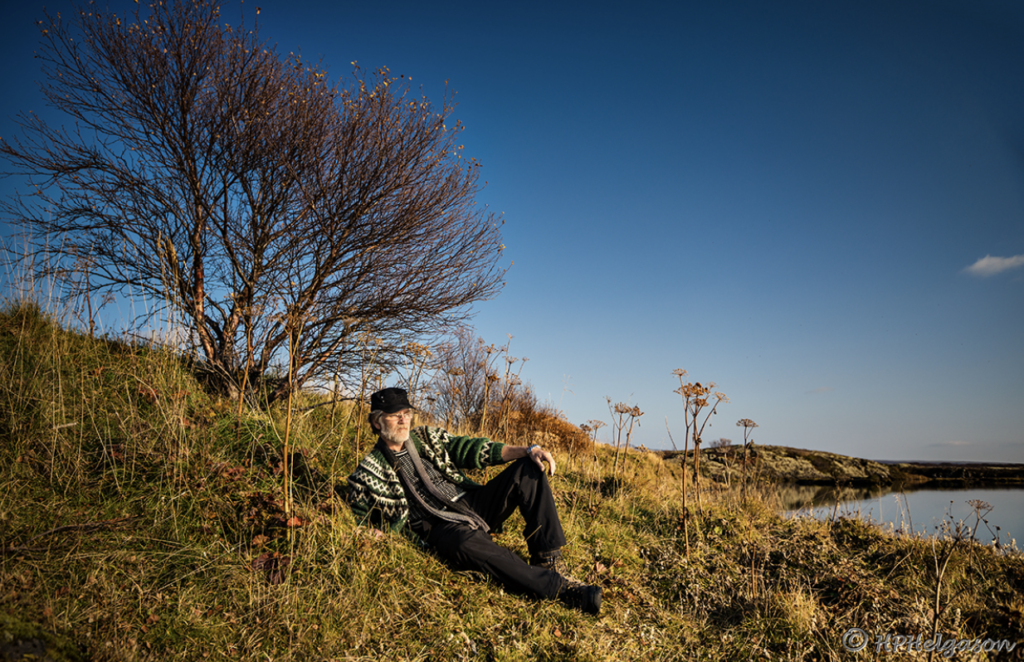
x=394, y=439
x=393, y=436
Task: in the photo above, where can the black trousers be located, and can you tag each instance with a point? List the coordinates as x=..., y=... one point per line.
x=522, y=485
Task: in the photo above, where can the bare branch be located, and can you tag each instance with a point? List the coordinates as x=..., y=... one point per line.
x=242, y=188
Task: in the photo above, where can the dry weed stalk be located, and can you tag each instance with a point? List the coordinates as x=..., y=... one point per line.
x=981, y=508
x=366, y=369
x=625, y=414
x=247, y=323
x=293, y=328
x=748, y=425
x=510, y=384
x=686, y=508
x=591, y=427
x=697, y=398
x=954, y=536
x=490, y=377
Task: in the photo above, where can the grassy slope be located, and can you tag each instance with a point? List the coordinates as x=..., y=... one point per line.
x=139, y=519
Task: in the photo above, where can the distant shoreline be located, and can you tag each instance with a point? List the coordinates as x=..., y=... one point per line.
x=956, y=462
x=805, y=467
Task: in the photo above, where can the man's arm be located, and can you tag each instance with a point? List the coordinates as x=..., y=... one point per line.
x=534, y=452
x=368, y=506
x=464, y=452
x=479, y=452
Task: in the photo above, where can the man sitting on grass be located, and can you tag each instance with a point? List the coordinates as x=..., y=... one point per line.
x=410, y=483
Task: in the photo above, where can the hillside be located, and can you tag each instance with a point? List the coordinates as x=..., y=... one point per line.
x=808, y=467
x=144, y=519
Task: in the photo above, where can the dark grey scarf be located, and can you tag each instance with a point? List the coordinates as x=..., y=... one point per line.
x=460, y=511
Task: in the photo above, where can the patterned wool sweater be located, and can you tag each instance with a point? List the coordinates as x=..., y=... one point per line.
x=375, y=493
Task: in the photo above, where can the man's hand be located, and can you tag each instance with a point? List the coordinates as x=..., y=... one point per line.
x=540, y=456
x=534, y=452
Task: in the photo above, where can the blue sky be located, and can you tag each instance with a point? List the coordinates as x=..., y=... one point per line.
x=783, y=198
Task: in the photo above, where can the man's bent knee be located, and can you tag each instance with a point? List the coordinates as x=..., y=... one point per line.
x=528, y=467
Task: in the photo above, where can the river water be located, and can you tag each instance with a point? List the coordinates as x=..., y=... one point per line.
x=924, y=511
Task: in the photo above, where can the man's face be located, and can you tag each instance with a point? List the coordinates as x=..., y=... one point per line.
x=395, y=427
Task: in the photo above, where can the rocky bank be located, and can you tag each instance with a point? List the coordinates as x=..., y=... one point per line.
x=806, y=467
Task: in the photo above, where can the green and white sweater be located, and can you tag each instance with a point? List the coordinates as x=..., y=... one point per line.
x=375, y=493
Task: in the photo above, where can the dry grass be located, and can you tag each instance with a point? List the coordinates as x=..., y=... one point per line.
x=141, y=519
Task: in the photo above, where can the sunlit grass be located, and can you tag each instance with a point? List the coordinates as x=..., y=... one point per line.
x=144, y=519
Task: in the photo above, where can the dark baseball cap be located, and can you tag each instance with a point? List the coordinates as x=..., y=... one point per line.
x=390, y=400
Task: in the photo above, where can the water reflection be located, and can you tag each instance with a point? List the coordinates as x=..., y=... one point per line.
x=796, y=497
x=993, y=514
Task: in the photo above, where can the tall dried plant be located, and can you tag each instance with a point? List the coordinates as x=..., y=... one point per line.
x=490, y=377
x=622, y=415
x=590, y=428
x=293, y=325
x=509, y=385
x=370, y=349
x=748, y=426
x=697, y=398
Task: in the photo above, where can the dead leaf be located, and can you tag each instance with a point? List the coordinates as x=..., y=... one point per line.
x=272, y=564
x=149, y=393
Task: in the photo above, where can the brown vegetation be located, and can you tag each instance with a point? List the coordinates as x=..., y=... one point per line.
x=139, y=525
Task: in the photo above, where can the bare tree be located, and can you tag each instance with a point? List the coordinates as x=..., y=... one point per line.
x=255, y=197
x=463, y=374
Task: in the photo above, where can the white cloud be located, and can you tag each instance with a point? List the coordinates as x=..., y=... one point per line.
x=990, y=266
x=957, y=443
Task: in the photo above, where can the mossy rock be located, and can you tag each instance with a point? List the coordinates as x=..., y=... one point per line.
x=20, y=640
